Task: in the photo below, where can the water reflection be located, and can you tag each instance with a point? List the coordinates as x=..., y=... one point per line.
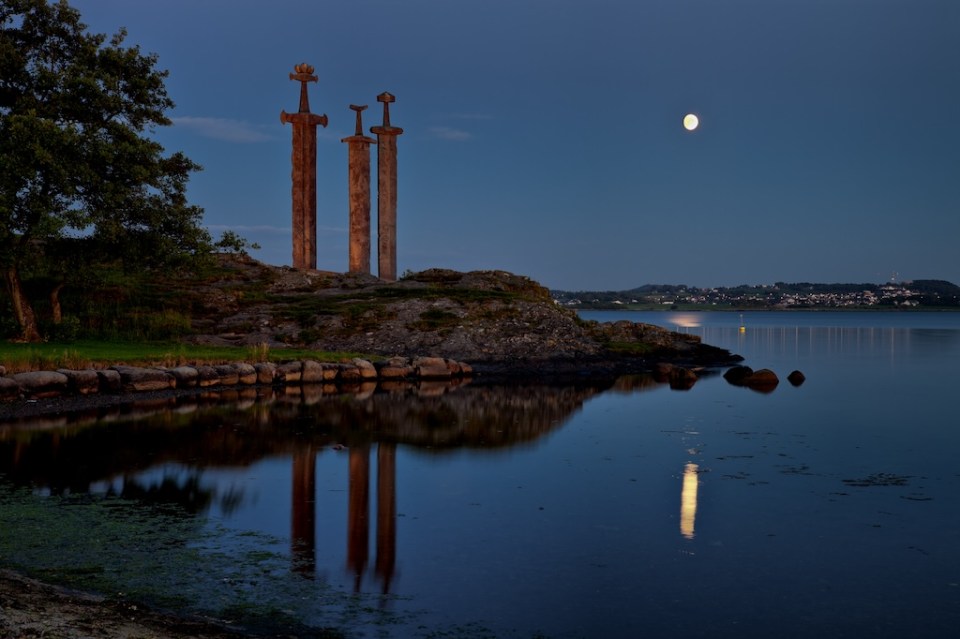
x=157, y=452
x=72, y=453
x=303, y=524
x=386, y=513
x=799, y=340
x=358, y=515
x=688, y=500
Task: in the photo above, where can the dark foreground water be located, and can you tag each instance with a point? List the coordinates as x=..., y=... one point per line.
x=830, y=509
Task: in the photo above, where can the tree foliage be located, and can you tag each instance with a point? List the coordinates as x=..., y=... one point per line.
x=76, y=158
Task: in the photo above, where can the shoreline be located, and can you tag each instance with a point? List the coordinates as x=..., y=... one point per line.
x=24, y=396
x=32, y=608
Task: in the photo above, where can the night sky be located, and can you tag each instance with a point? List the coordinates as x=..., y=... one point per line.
x=545, y=137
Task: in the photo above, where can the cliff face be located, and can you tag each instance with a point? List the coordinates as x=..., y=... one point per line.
x=479, y=317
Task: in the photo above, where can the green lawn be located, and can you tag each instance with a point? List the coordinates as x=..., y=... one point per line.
x=100, y=354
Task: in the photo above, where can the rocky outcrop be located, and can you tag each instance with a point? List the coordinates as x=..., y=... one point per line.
x=493, y=319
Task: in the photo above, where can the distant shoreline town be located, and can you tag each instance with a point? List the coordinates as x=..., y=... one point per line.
x=917, y=294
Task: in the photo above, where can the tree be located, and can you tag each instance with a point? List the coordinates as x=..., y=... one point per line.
x=76, y=159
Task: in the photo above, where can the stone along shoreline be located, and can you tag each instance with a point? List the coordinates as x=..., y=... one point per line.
x=118, y=380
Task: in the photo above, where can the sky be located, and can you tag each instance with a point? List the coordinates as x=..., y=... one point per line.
x=546, y=138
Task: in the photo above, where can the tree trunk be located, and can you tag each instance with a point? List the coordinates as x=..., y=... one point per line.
x=55, y=307
x=21, y=306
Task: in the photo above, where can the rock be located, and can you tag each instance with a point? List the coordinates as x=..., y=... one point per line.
x=136, y=379
x=9, y=389
x=290, y=372
x=185, y=376
x=40, y=384
x=266, y=372
x=349, y=373
x=431, y=368
x=796, y=378
x=737, y=375
x=312, y=372
x=228, y=374
x=83, y=382
x=662, y=371
x=678, y=377
x=453, y=366
x=395, y=369
x=207, y=376
x=330, y=371
x=763, y=380
x=367, y=370
x=110, y=382
x=246, y=372
x=682, y=378
x=466, y=370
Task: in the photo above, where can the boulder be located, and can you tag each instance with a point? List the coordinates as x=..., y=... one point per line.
x=682, y=378
x=349, y=373
x=9, y=389
x=330, y=371
x=185, y=376
x=228, y=374
x=207, y=376
x=246, y=372
x=290, y=372
x=83, y=382
x=395, y=368
x=763, y=380
x=40, y=384
x=678, y=377
x=110, y=382
x=393, y=372
x=737, y=375
x=796, y=378
x=662, y=371
x=431, y=368
x=367, y=370
x=312, y=372
x=453, y=366
x=266, y=372
x=136, y=379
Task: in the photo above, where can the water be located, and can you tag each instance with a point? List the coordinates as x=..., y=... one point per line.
x=825, y=509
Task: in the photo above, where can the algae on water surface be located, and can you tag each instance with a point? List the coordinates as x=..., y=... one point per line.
x=169, y=559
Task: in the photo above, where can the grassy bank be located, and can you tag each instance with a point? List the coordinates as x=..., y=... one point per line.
x=85, y=354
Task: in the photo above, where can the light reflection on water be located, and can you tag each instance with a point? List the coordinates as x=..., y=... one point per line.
x=823, y=509
x=688, y=500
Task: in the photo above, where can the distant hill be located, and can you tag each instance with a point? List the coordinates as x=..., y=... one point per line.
x=781, y=295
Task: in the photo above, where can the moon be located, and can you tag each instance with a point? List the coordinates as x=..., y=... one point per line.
x=690, y=122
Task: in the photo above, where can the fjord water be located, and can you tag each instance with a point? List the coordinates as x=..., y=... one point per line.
x=827, y=509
